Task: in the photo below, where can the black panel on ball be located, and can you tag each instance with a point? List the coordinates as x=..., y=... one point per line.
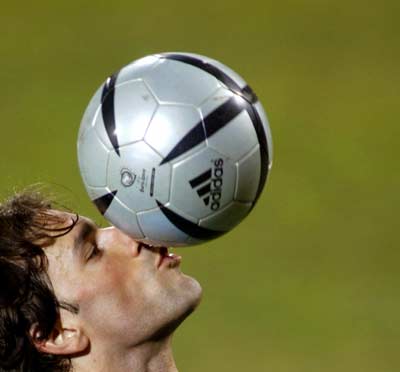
x=108, y=111
x=188, y=227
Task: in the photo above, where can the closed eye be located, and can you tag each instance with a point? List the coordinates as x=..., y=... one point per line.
x=94, y=252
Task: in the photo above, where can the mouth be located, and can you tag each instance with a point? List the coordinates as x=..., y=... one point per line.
x=164, y=258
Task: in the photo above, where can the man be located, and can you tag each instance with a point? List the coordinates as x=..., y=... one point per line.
x=77, y=297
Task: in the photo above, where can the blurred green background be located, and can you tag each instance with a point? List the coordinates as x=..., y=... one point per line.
x=310, y=280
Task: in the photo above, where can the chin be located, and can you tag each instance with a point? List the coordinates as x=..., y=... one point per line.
x=187, y=298
x=192, y=292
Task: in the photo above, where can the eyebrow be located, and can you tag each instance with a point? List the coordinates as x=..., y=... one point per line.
x=72, y=308
x=85, y=230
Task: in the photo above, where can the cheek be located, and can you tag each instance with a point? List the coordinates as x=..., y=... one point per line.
x=113, y=303
x=99, y=282
x=110, y=288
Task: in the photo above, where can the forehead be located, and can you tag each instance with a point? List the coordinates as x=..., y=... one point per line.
x=62, y=216
x=58, y=221
x=61, y=226
x=66, y=230
x=65, y=225
x=63, y=229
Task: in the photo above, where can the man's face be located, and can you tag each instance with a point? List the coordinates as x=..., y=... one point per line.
x=124, y=296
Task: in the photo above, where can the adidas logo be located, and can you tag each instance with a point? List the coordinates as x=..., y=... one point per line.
x=203, y=190
x=209, y=185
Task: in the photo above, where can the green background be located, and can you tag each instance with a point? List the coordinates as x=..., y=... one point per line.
x=310, y=280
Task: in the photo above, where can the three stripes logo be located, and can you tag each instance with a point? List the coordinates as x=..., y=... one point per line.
x=209, y=185
x=204, y=190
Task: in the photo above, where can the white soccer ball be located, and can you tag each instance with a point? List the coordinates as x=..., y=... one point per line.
x=174, y=149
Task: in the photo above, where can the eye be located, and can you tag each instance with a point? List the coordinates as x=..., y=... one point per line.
x=94, y=252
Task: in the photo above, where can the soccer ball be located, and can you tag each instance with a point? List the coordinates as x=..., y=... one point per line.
x=174, y=149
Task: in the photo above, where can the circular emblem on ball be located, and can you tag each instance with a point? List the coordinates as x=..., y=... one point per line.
x=127, y=178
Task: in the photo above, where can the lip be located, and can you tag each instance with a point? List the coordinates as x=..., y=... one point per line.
x=168, y=259
x=164, y=258
x=162, y=253
x=139, y=248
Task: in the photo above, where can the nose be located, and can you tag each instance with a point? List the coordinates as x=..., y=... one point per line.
x=114, y=238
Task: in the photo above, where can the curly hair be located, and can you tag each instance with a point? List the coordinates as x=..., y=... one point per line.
x=26, y=294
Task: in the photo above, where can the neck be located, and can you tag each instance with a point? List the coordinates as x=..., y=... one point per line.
x=152, y=356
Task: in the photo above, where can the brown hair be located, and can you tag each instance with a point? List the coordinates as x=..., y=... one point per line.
x=26, y=294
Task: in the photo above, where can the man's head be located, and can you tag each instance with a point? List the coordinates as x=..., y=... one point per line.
x=70, y=288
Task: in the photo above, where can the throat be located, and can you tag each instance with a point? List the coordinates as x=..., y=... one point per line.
x=152, y=356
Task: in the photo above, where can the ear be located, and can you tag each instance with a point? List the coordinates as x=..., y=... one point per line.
x=62, y=341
